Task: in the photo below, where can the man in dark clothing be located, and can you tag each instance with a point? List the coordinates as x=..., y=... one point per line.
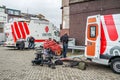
x=31, y=42
x=64, y=40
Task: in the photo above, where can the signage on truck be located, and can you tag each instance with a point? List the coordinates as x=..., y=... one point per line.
x=46, y=30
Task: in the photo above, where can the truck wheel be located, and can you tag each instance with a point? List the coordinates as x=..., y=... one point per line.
x=17, y=46
x=115, y=65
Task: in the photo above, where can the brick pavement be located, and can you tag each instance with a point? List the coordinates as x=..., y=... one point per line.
x=16, y=65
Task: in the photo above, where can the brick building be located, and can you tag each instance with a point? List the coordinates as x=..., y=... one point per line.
x=81, y=9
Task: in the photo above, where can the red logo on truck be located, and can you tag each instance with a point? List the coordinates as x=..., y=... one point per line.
x=46, y=29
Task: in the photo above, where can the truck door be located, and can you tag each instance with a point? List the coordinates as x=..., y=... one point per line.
x=92, y=42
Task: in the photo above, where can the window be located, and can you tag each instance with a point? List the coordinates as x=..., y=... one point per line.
x=10, y=12
x=1, y=30
x=2, y=10
x=92, y=31
x=3, y=18
x=17, y=13
x=1, y=24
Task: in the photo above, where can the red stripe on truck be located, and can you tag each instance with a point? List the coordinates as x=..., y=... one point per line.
x=103, y=40
x=39, y=40
x=22, y=30
x=111, y=28
x=26, y=28
x=17, y=29
x=13, y=34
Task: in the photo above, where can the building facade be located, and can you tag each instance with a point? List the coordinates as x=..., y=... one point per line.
x=29, y=16
x=81, y=9
x=13, y=13
x=65, y=17
x=3, y=18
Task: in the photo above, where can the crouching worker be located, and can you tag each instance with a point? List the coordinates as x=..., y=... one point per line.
x=31, y=42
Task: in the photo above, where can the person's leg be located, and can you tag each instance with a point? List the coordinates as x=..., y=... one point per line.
x=29, y=45
x=65, y=47
x=63, y=53
x=32, y=45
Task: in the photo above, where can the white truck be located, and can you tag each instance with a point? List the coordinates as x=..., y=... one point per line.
x=103, y=40
x=22, y=29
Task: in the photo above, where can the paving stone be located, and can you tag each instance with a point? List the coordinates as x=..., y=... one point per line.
x=16, y=65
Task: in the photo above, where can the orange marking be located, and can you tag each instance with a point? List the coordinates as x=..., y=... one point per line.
x=90, y=20
x=91, y=48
